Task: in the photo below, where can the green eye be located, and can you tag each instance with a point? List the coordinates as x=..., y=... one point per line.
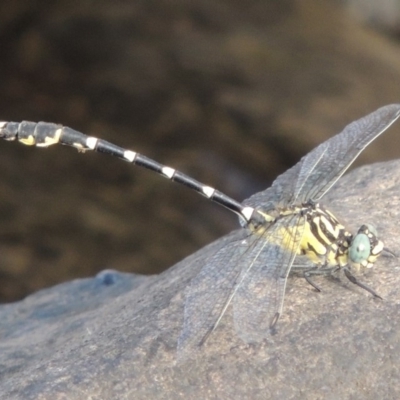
x=360, y=248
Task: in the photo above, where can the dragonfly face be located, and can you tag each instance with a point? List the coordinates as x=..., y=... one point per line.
x=365, y=248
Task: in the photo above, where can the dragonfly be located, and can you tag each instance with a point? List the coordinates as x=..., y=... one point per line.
x=250, y=272
x=279, y=226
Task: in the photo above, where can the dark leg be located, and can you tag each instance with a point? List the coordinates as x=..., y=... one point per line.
x=354, y=280
x=387, y=252
x=317, y=271
x=314, y=271
x=308, y=273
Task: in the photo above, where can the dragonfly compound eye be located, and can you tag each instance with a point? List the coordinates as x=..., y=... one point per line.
x=360, y=248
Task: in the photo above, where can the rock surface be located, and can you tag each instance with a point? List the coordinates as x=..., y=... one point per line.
x=114, y=336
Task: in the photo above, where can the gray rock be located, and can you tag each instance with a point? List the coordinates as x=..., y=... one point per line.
x=114, y=336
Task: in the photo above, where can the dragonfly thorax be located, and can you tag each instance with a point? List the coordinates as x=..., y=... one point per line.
x=325, y=241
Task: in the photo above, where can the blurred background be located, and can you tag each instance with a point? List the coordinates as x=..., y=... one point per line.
x=230, y=92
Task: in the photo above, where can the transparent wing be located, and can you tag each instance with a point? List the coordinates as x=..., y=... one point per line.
x=318, y=171
x=260, y=292
x=251, y=270
x=209, y=291
x=301, y=263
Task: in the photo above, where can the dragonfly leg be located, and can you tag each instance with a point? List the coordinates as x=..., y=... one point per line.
x=354, y=280
x=389, y=253
x=318, y=270
x=274, y=321
x=307, y=274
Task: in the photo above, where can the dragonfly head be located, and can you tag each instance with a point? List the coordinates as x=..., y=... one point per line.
x=365, y=247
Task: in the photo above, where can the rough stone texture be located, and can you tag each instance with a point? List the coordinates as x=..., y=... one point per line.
x=114, y=336
x=231, y=92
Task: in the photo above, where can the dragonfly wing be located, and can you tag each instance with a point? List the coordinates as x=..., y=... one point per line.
x=328, y=162
x=209, y=291
x=279, y=193
x=318, y=171
x=260, y=292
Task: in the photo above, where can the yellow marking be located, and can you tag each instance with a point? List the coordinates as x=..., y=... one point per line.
x=80, y=148
x=371, y=264
x=342, y=259
x=29, y=141
x=266, y=216
x=289, y=211
x=377, y=249
x=48, y=140
x=333, y=228
x=317, y=223
x=333, y=223
x=332, y=258
x=313, y=257
x=258, y=227
x=309, y=238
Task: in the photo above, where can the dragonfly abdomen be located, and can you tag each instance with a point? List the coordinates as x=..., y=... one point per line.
x=45, y=134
